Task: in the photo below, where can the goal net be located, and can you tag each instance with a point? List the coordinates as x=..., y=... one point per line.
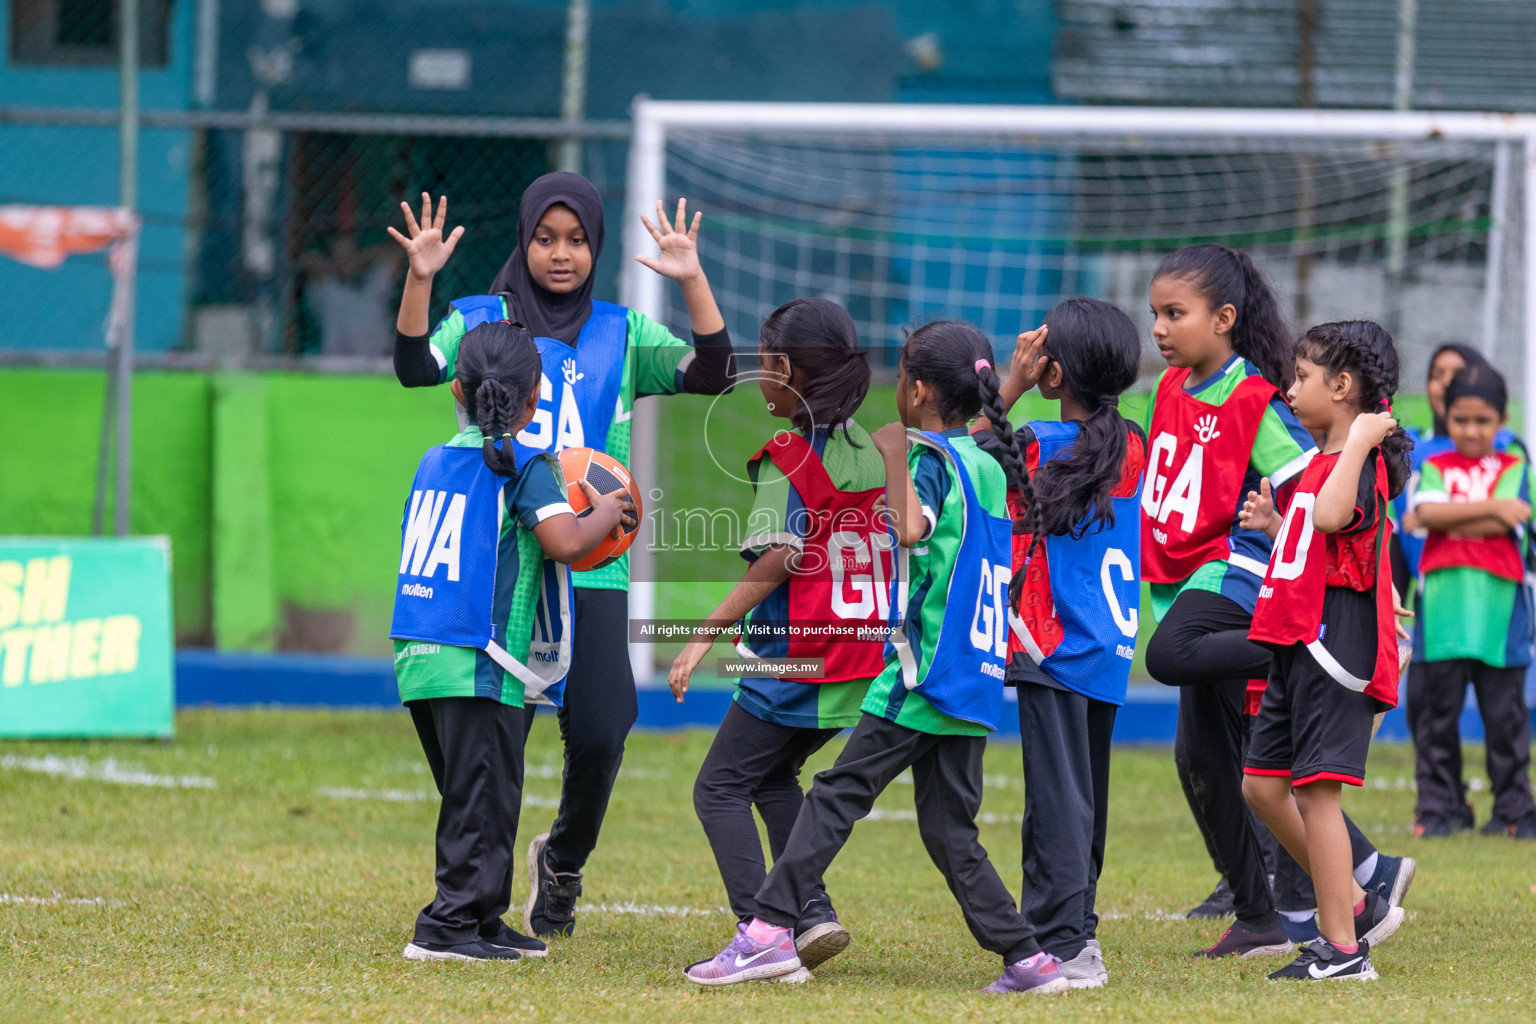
x=994, y=214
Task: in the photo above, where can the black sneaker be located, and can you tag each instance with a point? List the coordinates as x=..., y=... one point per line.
x=819, y=935
x=1217, y=905
x=1250, y=939
x=1495, y=826
x=1380, y=920
x=1465, y=819
x=1431, y=826
x=477, y=950
x=1320, y=961
x=1525, y=828
x=1396, y=873
x=509, y=939
x=551, y=895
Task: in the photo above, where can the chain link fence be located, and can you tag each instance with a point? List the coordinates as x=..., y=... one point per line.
x=273, y=247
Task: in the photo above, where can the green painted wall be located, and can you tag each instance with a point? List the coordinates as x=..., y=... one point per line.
x=339, y=455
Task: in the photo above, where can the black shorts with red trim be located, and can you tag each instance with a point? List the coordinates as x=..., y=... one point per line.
x=1310, y=726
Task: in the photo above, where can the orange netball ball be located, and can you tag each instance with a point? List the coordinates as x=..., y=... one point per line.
x=606, y=474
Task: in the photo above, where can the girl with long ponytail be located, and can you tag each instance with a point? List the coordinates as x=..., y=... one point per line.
x=1218, y=428
x=1073, y=603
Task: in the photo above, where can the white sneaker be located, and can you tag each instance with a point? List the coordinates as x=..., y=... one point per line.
x=1086, y=970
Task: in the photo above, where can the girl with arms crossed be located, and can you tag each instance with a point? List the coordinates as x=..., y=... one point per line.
x=1475, y=616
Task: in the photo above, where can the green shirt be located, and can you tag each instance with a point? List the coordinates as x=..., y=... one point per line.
x=777, y=517
x=655, y=360
x=1282, y=447
x=927, y=570
x=426, y=670
x=1466, y=612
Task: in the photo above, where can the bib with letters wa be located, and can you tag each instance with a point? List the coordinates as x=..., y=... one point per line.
x=452, y=588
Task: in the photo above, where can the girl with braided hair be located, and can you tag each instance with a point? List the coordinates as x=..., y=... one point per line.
x=940, y=691
x=486, y=517
x=1326, y=612
x=1073, y=605
x=1218, y=424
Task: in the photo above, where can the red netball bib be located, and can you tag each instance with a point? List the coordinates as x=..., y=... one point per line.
x=1472, y=480
x=1197, y=457
x=839, y=597
x=1305, y=562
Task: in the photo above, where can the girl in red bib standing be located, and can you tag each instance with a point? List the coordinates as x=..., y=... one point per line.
x=1326, y=611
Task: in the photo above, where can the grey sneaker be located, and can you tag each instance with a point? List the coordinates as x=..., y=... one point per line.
x=1086, y=970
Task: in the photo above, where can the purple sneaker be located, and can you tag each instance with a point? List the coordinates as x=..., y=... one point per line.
x=745, y=960
x=1040, y=974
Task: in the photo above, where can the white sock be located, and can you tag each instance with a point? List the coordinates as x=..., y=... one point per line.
x=1298, y=916
x=1366, y=869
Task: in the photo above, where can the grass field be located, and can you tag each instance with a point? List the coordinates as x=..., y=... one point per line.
x=268, y=866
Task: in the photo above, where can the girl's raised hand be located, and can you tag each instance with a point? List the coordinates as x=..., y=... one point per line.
x=426, y=249
x=1029, y=360
x=678, y=241
x=890, y=438
x=1372, y=428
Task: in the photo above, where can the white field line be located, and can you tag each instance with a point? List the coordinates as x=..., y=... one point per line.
x=110, y=770
x=653, y=909
x=413, y=796
x=57, y=898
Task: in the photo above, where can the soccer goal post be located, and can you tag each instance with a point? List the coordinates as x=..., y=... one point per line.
x=1423, y=221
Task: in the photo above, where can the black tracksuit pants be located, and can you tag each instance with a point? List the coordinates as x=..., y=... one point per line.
x=1437, y=692
x=752, y=763
x=600, y=709
x=474, y=746
x=946, y=776
x=1066, y=738
x=1202, y=647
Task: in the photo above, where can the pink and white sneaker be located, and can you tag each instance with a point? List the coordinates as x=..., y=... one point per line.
x=747, y=960
x=1040, y=974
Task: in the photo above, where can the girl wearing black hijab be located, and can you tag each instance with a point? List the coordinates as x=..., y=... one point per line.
x=597, y=359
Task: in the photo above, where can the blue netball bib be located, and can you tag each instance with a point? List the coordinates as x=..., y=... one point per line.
x=449, y=589
x=1096, y=590
x=579, y=388
x=965, y=676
